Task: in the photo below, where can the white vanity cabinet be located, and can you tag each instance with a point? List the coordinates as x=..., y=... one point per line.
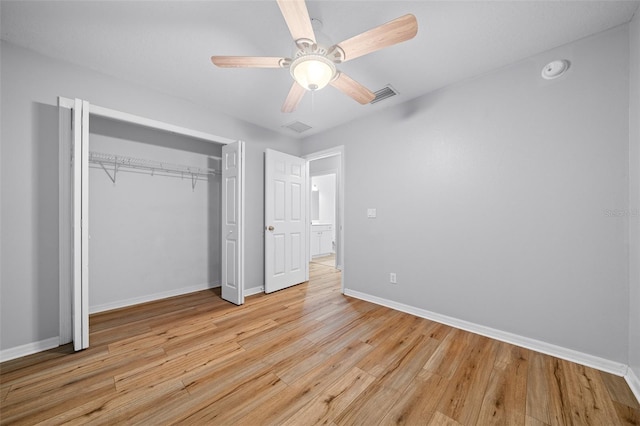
x=321, y=239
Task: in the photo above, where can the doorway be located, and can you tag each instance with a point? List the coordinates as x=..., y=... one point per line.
x=323, y=211
x=326, y=170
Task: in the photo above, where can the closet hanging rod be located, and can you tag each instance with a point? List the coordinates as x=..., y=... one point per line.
x=112, y=163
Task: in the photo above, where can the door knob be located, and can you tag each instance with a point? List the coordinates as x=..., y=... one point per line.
x=271, y=228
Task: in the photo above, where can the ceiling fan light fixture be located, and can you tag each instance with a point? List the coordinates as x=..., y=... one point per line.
x=313, y=72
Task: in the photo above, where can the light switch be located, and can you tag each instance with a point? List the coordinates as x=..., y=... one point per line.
x=371, y=213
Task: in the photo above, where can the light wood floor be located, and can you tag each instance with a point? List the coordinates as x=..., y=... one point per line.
x=301, y=356
x=328, y=260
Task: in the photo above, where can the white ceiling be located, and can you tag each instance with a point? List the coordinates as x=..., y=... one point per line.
x=167, y=45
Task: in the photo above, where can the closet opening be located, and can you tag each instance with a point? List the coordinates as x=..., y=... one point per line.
x=154, y=214
x=148, y=210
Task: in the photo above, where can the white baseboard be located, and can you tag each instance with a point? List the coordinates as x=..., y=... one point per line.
x=558, y=351
x=253, y=290
x=151, y=297
x=634, y=382
x=29, y=348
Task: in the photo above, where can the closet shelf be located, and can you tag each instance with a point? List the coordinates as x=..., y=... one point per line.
x=112, y=164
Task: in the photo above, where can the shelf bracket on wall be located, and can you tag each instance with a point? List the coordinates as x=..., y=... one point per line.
x=194, y=179
x=115, y=171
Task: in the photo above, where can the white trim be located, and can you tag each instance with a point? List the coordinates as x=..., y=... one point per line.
x=592, y=361
x=147, y=122
x=64, y=224
x=29, y=348
x=308, y=220
x=634, y=382
x=151, y=297
x=253, y=290
x=84, y=167
x=241, y=222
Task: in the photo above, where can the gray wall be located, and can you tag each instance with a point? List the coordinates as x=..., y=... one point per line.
x=29, y=180
x=634, y=196
x=151, y=236
x=498, y=199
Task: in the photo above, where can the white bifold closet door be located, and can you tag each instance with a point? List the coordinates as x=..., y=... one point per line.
x=80, y=203
x=232, y=222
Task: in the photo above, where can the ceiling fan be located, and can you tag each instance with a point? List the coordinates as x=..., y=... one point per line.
x=313, y=65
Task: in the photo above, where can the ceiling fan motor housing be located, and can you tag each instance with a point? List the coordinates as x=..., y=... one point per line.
x=313, y=65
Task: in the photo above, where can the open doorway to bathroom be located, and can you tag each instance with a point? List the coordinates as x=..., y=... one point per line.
x=326, y=208
x=323, y=216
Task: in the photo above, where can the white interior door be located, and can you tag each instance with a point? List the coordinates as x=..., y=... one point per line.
x=232, y=222
x=285, y=199
x=80, y=147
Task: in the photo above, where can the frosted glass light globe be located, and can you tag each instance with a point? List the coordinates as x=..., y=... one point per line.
x=313, y=72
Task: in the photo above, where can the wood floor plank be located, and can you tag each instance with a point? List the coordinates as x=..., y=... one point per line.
x=303, y=355
x=627, y=415
x=619, y=390
x=205, y=390
x=440, y=419
x=290, y=369
x=404, y=368
x=586, y=389
x=369, y=407
x=504, y=401
x=282, y=406
x=531, y=421
x=4, y=391
x=97, y=373
x=170, y=368
x=122, y=405
x=331, y=402
x=264, y=384
x=447, y=358
x=216, y=337
x=44, y=408
x=462, y=400
x=391, y=349
x=547, y=396
x=417, y=404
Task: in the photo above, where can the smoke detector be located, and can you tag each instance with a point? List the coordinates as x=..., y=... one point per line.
x=555, y=69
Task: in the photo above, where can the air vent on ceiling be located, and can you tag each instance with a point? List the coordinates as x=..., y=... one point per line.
x=297, y=126
x=384, y=93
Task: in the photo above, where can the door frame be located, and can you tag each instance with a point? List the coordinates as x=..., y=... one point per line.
x=340, y=191
x=66, y=108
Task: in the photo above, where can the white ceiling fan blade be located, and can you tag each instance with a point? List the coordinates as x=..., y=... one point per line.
x=353, y=89
x=247, y=61
x=400, y=29
x=296, y=15
x=293, y=98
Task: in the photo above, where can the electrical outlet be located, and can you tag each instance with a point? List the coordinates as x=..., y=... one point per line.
x=392, y=278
